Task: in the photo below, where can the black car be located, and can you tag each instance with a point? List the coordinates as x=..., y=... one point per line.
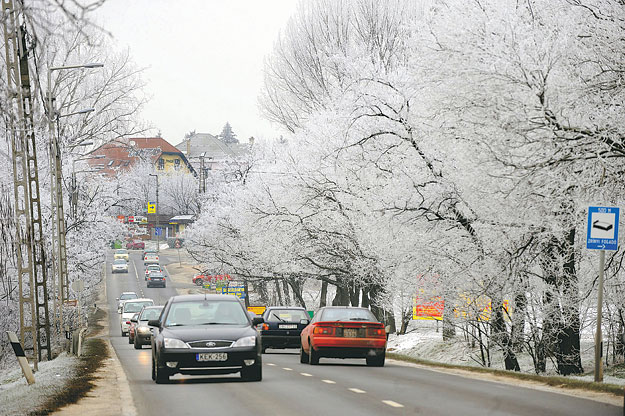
x=205, y=334
x=156, y=279
x=282, y=327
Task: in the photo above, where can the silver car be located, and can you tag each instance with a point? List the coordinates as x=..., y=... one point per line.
x=123, y=298
x=143, y=333
x=119, y=266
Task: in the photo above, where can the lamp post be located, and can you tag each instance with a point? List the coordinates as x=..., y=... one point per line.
x=158, y=236
x=58, y=219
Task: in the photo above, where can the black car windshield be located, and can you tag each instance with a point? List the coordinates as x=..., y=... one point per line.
x=136, y=306
x=128, y=296
x=150, y=313
x=348, y=314
x=206, y=312
x=286, y=315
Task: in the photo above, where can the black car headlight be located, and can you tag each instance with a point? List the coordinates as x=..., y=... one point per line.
x=245, y=342
x=174, y=343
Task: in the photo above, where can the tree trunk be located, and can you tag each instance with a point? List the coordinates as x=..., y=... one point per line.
x=449, y=330
x=354, y=295
x=499, y=335
x=341, y=298
x=278, y=292
x=324, y=294
x=518, y=321
x=296, y=287
x=365, y=298
x=287, y=296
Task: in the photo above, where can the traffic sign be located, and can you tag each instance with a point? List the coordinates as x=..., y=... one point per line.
x=177, y=244
x=158, y=230
x=602, y=229
x=151, y=208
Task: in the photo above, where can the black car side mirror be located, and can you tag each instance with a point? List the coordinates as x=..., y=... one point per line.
x=133, y=320
x=257, y=320
x=154, y=323
x=304, y=321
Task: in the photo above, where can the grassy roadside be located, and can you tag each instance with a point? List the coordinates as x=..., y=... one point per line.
x=95, y=352
x=554, y=381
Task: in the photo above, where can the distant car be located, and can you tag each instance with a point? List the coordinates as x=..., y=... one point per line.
x=131, y=328
x=129, y=308
x=205, y=334
x=124, y=297
x=135, y=245
x=153, y=268
x=146, y=252
x=282, y=327
x=344, y=332
x=121, y=254
x=150, y=258
x=143, y=333
x=156, y=279
x=119, y=266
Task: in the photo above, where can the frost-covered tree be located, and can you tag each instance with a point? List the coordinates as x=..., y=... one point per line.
x=227, y=135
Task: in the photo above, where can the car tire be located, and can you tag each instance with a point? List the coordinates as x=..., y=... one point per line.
x=137, y=345
x=160, y=374
x=199, y=282
x=377, y=361
x=124, y=334
x=313, y=356
x=253, y=373
x=153, y=370
x=303, y=357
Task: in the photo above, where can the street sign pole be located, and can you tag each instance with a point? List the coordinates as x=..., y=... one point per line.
x=598, y=334
x=602, y=235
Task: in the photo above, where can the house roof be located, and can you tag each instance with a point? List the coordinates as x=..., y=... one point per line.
x=214, y=148
x=122, y=155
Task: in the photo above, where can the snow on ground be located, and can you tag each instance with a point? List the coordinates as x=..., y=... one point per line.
x=18, y=398
x=424, y=342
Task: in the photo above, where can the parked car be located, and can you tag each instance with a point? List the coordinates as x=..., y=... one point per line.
x=344, y=332
x=129, y=308
x=121, y=254
x=282, y=327
x=135, y=245
x=156, y=279
x=150, y=258
x=143, y=333
x=205, y=334
x=153, y=268
x=124, y=297
x=119, y=266
x=131, y=328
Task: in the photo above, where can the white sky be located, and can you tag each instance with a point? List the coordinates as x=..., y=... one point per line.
x=204, y=60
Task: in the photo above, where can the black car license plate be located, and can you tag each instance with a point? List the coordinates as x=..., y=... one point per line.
x=211, y=356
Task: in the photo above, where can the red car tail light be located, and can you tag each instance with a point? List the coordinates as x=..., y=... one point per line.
x=324, y=330
x=376, y=332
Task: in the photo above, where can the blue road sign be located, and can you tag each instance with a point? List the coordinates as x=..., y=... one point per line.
x=602, y=230
x=158, y=230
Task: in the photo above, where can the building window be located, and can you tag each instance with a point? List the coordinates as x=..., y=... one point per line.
x=161, y=164
x=177, y=164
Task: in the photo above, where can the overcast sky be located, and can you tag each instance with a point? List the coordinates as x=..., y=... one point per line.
x=204, y=60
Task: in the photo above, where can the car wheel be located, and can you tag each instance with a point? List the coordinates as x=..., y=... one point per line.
x=303, y=357
x=137, y=345
x=313, y=355
x=253, y=373
x=124, y=333
x=377, y=361
x=153, y=370
x=199, y=282
x=160, y=374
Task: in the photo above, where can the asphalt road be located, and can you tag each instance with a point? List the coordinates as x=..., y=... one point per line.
x=345, y=387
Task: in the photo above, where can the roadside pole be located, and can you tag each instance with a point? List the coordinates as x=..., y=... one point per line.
x=21, y=357
x=157, y=222
x=601, y=234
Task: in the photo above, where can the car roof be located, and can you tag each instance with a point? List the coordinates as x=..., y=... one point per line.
x=187, y=298
x=142, y=300
x=129, y=293
x=153, y=307
x=295, y=308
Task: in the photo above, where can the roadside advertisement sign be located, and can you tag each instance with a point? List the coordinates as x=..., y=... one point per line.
x=258, y=310
x=428, y=309
x=238, y=291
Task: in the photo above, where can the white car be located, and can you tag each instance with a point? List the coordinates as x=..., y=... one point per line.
x=129, y=308
x=123, y=298
x=119, y=266
x=150, y=258
x=152, y=268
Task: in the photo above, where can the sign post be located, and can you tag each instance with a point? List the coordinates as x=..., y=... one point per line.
x=601, y=234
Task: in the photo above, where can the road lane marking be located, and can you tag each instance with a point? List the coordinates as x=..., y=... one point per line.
x=271, y=364
x=287, y=369
x=306, y=374
x=329, y=381
x=355, y=390
x=392, y=403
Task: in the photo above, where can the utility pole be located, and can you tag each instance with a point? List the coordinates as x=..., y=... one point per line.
x=31, y=264
x=158, y=236
x=202, y=174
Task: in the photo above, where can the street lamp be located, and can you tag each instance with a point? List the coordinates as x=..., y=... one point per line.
x=158, y=236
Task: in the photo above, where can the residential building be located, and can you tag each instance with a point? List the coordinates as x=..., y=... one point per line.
x=215, y=152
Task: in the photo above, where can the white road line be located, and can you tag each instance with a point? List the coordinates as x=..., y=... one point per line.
x=329, y=381
x=392, y=403
x=271, y=364
x=287, y=369
x=355, y=390
x=306, y=374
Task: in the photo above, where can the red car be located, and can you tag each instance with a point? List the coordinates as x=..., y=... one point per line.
x=344, y=332
x=135, y=245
